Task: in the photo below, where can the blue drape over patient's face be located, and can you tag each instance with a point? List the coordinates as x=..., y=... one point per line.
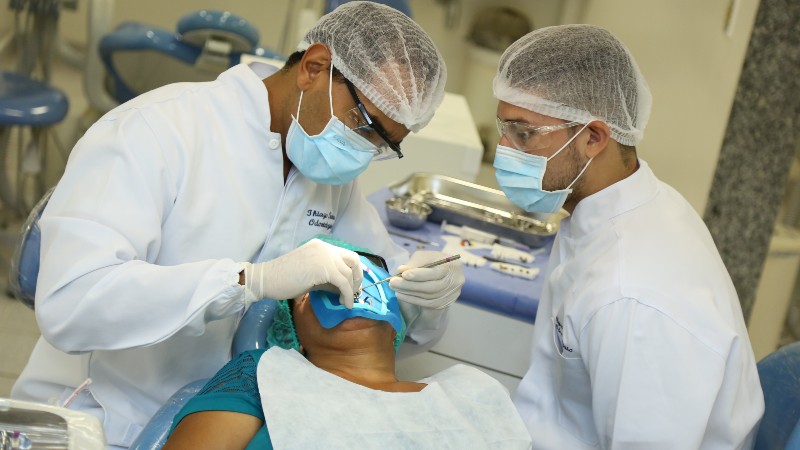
x=377, y=302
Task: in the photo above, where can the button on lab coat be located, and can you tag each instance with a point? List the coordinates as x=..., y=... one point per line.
x=143, y=237
x=639, y=339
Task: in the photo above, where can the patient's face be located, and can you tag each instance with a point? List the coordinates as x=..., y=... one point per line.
x=350, y=333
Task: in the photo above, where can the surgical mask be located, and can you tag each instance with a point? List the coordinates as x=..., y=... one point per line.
x=377, y=302
x=331, y=157
x=520, y=177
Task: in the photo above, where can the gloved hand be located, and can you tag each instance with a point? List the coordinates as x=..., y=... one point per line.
x=315, y=265
x=435, y=287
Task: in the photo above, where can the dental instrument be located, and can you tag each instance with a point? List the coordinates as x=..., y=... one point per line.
x=426, y=266
x=413, y=238
x=511, y=254
x=503, y=261
x=455, y=245
x=515, y=270
x=481, y=236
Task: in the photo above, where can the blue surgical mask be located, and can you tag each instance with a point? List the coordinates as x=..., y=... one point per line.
x=377, y=302
x=331, y=157
x=520, y=177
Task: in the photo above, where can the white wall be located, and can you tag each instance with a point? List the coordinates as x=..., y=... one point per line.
x=470, y=71
x=431, y=16
x=6, y=28
x=693, y=70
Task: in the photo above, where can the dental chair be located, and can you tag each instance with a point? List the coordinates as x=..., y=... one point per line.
x=28, y=107
x=251, y=333
x=780, y=380
x=140, y=57
x=25, y=260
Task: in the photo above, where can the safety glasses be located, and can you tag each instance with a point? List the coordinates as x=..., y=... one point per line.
x=530, y=138
x=359, y=122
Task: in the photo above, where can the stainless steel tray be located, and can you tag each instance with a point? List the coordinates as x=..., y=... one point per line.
x=463, y=203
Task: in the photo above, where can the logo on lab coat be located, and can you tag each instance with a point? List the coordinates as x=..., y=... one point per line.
x=558, y=337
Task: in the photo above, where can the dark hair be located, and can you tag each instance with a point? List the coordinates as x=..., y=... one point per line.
x=295, y=58
x=627, y=152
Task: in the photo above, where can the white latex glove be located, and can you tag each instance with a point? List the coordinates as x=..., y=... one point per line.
x=435, y=287
x=315, y=265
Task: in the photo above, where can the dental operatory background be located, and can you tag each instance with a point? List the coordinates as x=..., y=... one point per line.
x=700, y=58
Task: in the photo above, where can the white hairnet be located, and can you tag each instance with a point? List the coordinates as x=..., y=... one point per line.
x=577, y=73
x=387, y=56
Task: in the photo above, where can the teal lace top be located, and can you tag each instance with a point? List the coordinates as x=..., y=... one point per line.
x=234, y=388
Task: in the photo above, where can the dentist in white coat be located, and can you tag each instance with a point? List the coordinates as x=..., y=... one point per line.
x=639, y=341
x=181, y=207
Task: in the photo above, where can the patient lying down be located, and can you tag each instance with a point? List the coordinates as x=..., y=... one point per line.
x=328, y=381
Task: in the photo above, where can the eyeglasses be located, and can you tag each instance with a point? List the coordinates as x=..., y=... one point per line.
x=359, y=122
x=527, y=137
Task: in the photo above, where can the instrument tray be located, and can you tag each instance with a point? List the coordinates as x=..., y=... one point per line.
x=463, y=203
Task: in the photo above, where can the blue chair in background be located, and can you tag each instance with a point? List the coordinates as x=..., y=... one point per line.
x=140, y=57
x=780, y=380
x=28, y=108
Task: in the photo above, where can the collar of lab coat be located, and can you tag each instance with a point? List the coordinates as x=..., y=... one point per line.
x=254, y=73
x=599, y=209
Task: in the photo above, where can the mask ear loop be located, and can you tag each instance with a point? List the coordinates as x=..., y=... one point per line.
x=568, y=142
x=330, y=87
x=298, y=106
x=581, y=173
x=584, y=167
x=330, y=94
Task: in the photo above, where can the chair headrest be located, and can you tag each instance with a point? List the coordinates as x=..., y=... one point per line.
x=251, y=333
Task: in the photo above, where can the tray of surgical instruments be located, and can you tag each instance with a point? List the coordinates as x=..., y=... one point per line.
x=460, y=202
x=26, y=429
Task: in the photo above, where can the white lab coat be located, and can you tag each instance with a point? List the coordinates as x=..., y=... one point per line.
x=639, y=340
x=143, y=237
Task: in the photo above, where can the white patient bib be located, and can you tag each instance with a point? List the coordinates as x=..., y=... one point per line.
x=306, y=407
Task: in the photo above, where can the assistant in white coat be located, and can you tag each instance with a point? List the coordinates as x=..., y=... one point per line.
x=639, y=340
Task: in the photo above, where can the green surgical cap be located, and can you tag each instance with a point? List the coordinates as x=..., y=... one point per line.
x=282, y=332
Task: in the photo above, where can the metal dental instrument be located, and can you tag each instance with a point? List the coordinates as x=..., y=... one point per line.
x=504, y=261
x=426, y=266
x=412, y=238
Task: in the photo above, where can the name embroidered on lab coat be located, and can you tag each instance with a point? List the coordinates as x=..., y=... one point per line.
x=320, y=219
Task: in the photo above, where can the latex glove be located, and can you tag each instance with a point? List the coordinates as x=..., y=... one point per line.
x=315, y=265
x=435, y=287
